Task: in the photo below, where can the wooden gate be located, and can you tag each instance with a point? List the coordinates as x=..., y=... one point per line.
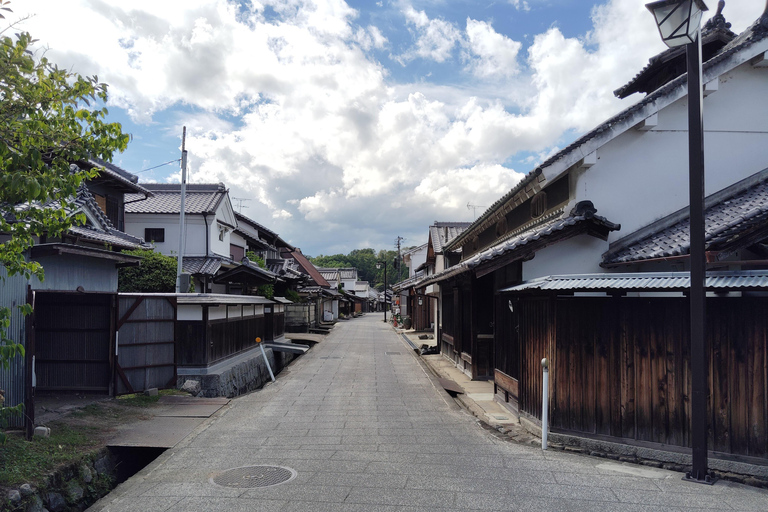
x=145, y=352
x=72, y=341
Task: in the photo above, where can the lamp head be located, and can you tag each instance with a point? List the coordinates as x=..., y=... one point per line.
x=678, y=21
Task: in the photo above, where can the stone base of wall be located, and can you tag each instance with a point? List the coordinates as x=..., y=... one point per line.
x=241, y=374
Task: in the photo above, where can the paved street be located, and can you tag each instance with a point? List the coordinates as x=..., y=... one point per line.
x=365, y=428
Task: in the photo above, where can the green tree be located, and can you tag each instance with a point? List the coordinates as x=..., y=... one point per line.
x=157, y=273
x=46, y=123
x=265, y=290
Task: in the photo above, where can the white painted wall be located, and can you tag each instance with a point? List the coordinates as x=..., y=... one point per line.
x=642, y=176
x=194, y=243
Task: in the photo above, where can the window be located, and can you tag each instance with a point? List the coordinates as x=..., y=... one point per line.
x=538, y=204
x=154, y=234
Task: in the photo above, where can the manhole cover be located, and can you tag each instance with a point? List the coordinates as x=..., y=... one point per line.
x=393, y=353
x=254, y=476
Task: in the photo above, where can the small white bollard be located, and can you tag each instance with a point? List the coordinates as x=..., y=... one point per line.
x=544, y=403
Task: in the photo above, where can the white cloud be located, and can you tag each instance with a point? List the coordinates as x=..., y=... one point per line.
x=291, y=109
x=435, y=38
x=496, y=54
x=520, y=5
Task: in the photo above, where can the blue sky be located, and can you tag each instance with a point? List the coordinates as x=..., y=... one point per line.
x=345, y=124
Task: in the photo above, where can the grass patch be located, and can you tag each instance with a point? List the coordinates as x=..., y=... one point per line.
x=142, y=400
x=23, y=461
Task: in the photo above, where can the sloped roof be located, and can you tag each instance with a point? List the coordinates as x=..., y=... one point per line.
x=127, y=180
x=731, y=217
x=552, y=228
x=345, y=273
x=443, y=233
x=307, y=267
x=201, y=265
x=668, y=281
x=199, y=199
x=98, y=229
x=755, y=33
x=671, y=63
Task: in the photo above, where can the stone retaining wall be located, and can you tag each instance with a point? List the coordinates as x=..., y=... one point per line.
x=75, y=487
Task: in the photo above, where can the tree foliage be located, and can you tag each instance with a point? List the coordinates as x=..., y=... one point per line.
x=157, y=273
x=364, y=260
x=265, y=290
x=46, y=123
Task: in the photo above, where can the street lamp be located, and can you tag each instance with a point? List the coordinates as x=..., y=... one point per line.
x=679, y=23
x=379, y=264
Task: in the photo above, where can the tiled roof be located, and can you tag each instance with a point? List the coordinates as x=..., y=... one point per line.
x=729, y=217
x=346, y=273
x=531, y=239
x=306, y=266
x=199, y=199
x=713, y=38
x=248, y=220
x=755, y=33
x=205, y=266
x=408, y=283
x=111, y=171
x=443, y=233
x=116, y=239
x=101, y=232
x=671, y=281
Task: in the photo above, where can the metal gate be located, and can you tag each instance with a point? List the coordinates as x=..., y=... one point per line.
x=72, y=341
x=145, y=348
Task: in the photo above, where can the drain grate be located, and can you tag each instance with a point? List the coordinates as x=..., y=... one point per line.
x=254, y=476
x=393, y=353
x=330, y=357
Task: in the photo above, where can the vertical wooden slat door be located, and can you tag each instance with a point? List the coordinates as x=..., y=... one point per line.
x=73, y=335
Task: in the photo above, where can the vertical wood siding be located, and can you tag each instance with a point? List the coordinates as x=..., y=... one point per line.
x=73, y=340
x=620, y=368
x=146, y=343
x=13, y=293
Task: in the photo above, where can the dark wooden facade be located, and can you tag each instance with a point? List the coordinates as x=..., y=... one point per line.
x=73, y=341
x=619, y=369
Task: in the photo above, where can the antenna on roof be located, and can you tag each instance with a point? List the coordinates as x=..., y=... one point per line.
x=240, y=205
x=474, y=208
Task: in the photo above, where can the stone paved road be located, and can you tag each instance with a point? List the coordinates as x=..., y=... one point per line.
x=365, y=429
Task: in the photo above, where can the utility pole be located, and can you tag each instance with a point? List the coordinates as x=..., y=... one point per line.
x=181, y=210
x=399, y=260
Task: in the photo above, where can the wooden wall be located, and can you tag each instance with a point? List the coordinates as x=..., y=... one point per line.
x=620, y=368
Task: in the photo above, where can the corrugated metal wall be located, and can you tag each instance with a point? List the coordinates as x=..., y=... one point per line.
x=13, y=292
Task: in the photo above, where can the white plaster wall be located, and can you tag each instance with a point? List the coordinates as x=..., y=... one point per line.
x=577, y=255
x=641, y=176
x=194, y=243
x=417, y=259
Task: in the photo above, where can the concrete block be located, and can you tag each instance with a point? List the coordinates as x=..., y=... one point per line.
x=42, y=432
x=151, y=392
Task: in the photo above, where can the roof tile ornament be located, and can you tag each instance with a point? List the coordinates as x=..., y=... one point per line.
x=718, y=20
x=762, y=23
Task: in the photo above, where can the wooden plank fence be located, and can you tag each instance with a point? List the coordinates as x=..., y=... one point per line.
x=146, y=343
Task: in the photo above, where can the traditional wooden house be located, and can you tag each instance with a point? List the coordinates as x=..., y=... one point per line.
x=215, y=242
x=69, y=339
x=539, y=272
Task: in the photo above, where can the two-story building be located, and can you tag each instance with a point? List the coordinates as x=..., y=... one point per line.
x=585, y=263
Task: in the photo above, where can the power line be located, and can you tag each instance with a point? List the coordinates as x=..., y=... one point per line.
x=155, y=167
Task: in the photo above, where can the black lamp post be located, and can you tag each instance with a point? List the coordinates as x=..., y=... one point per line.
x=379, y=264
x=679, y=23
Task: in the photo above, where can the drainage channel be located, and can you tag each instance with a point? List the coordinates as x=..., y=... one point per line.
x=129, y=460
